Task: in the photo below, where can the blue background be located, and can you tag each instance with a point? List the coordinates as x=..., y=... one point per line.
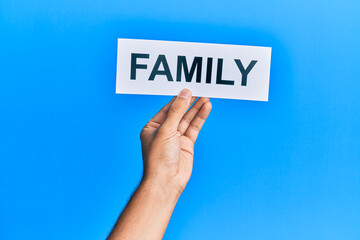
x=69, y=146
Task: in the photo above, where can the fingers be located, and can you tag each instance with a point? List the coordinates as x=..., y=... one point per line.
x=177, y=110
x=175, y=116
x=190, y=115
x=160, y=116
x=192, y=100
x=196, y=124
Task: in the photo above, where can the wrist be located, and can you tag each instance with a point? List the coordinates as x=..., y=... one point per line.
x=164, y=189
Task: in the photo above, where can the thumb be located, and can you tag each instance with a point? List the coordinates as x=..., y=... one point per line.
x=177, y=110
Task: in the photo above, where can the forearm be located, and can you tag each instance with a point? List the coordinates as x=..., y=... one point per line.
x=148, y=212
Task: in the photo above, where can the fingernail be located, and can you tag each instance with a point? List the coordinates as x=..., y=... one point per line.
x=185, y=93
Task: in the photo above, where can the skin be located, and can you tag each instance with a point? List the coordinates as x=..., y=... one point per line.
x=167, y=142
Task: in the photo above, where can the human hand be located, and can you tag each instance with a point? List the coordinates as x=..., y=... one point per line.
x=168, y=140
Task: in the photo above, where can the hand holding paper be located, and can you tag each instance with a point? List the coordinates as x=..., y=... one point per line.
x=168, y=149
x=168, y=139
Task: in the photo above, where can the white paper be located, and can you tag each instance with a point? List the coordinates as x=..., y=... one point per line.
x=132, y=77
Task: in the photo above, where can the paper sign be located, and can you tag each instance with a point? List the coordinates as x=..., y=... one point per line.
x=208, y=70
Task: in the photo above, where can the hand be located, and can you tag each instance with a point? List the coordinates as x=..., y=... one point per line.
x=168, y=141
x=168, y=150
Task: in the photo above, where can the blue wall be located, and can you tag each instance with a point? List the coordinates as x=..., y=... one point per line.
x=69, y=146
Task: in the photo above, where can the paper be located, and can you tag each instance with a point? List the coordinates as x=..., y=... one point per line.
x=208, y=70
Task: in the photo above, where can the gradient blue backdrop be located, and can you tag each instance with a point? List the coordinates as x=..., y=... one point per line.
x=70, y=150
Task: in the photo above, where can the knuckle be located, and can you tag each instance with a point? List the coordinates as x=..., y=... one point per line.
x=187, y=119
x=142, y=134
x=196, y=127
x=143, y=131
x=175, y=108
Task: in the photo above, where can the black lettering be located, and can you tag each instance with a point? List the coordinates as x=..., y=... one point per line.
x=197, y=63
x=219, y=74
x=209, y=70
x=161, y=60
x=135, y=66
x=244, y=72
